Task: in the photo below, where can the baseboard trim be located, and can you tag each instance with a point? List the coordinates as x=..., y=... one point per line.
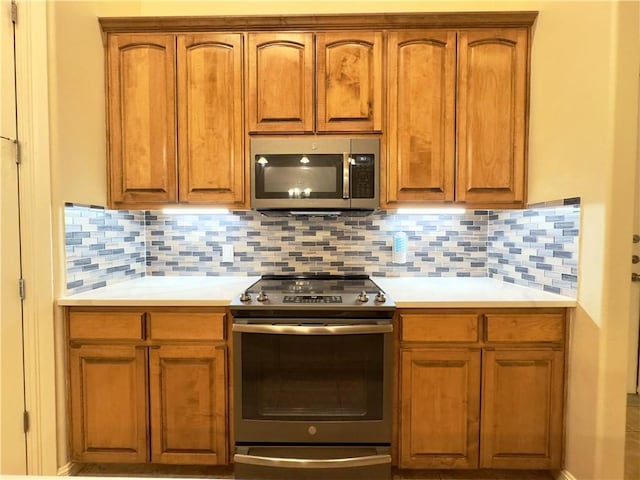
x=68, y=470
x=565, y=475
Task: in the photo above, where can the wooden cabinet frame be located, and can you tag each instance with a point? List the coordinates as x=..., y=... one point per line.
x=162, y=369
x=517, y=362
x=465, y=169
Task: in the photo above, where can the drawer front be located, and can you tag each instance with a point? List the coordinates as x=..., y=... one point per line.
x=441, y=327
x=187, y=326
x=106, y=325
x=523, y=327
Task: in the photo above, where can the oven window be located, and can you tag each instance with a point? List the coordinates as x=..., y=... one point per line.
x=320, y=377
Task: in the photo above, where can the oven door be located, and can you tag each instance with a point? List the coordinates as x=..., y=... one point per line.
x=313, y=384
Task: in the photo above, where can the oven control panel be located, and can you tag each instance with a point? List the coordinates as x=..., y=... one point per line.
x=312, y=299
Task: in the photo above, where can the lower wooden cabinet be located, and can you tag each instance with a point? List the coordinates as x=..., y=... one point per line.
x=440, y=408
x=481, y=388
x=108, y=386
x=148, y=386
x=522, y=409
x=188, y=404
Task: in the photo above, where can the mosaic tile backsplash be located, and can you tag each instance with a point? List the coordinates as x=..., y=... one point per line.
x=103, y=246
x=508, y=245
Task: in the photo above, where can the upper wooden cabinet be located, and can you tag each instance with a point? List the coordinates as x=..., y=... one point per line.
x=469, y=147
x=492, y=116
x=349, y=81
x=142, y=119
x=210, y=129
x=345, y=81
x=281, y=76
x=448, y=92
x=422, y=75
x=162, y=84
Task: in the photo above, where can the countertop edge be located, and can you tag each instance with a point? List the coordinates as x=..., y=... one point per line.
x=399, y=305
x=142, y=303
x=487, y=304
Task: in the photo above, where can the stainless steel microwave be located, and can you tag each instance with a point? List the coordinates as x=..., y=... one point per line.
x=315, y=175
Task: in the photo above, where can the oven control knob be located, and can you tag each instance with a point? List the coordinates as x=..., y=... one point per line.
x=363, y=297
x=245, y=297
x=262, y=297
x=380, y=298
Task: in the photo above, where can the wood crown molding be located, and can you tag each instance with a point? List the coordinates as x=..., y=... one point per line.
x=321, y=21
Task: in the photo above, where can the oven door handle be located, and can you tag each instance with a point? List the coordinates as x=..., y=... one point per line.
x=312, y=329
x=312, y=463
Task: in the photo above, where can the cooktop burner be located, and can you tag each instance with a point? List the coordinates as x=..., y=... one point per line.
x=312, y=291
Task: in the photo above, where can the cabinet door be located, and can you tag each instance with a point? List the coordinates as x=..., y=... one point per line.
x=349, y=81
x=210, y=129
x=522, y=409
x=439, y=408
x=142, y=126
x=108, y=390
x=420, y=162
x=280, y=82
x=188, y=404
x=492, y=110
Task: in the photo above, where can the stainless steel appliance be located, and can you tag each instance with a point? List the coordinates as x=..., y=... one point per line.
x=315, y=175
x=312, y=378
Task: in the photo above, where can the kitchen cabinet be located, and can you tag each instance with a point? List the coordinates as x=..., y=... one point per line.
x=340, y=92
x=141, y=119
x=440, y=408
x=160, y=84
x=492, y=116
x=452, y=108
x=457, y=117
x=280, y=85
x=108, y=403
x=481, y=388
x=148, y=385
x=421, y=142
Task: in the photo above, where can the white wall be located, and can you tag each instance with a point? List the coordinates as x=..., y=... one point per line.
x=583, y=140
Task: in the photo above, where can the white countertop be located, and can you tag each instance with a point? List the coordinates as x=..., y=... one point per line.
x=430, y=292
x=407, y=292
x=193, y=291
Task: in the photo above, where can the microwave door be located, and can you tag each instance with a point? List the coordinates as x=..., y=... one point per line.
x=300, y=181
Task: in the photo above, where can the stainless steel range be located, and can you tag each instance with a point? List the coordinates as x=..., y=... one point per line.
x=313, y=378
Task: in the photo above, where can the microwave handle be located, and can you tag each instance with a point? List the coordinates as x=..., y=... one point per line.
x=345, y=175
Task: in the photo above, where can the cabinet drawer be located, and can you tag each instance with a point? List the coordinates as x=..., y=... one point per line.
x=522, y=327
x=442, y=327
x=105, y=325
x=187, y=326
